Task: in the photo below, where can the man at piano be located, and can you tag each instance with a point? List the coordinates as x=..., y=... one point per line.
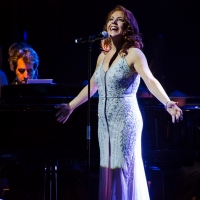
x=24, y=62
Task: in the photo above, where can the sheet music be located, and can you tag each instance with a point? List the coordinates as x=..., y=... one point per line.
x=39, y=81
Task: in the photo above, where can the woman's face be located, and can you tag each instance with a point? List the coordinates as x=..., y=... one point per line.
x=115, y=25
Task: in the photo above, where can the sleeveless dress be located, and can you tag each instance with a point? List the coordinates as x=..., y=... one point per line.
x=122, y=175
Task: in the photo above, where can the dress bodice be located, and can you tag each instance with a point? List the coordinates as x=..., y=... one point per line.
x=118, y=81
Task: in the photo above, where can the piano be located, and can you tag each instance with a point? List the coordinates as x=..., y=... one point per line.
x=31, y=138
x=28, y=122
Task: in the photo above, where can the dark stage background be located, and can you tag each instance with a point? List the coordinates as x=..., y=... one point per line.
x=170, y=32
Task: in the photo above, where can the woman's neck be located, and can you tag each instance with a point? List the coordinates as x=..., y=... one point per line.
x=117, y=45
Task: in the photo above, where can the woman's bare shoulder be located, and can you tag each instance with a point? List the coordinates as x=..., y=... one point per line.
x=100, y=58
x=134, y=57
x=135, y=51
x=102, y=55
x=135, y=54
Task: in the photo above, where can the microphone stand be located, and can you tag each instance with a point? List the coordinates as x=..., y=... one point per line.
x=88, y=135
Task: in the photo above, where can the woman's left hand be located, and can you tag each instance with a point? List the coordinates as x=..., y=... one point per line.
x=64, y=112
x=174, y=111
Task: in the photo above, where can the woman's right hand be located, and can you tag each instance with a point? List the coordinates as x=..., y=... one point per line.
x=63, y=113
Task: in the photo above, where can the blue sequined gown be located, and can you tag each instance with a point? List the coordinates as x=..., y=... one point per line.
x=122, y=175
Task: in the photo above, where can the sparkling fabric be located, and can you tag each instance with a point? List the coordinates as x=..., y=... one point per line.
x=122, y=175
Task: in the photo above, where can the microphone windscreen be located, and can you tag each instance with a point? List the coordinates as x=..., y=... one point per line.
x=105, y=34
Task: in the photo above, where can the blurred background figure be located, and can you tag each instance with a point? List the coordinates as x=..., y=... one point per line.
x=3, y=78
x=143, y=92
x=24, y=61
x=179, y=97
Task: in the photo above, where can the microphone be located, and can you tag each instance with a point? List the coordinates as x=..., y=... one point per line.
x=92, y=38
